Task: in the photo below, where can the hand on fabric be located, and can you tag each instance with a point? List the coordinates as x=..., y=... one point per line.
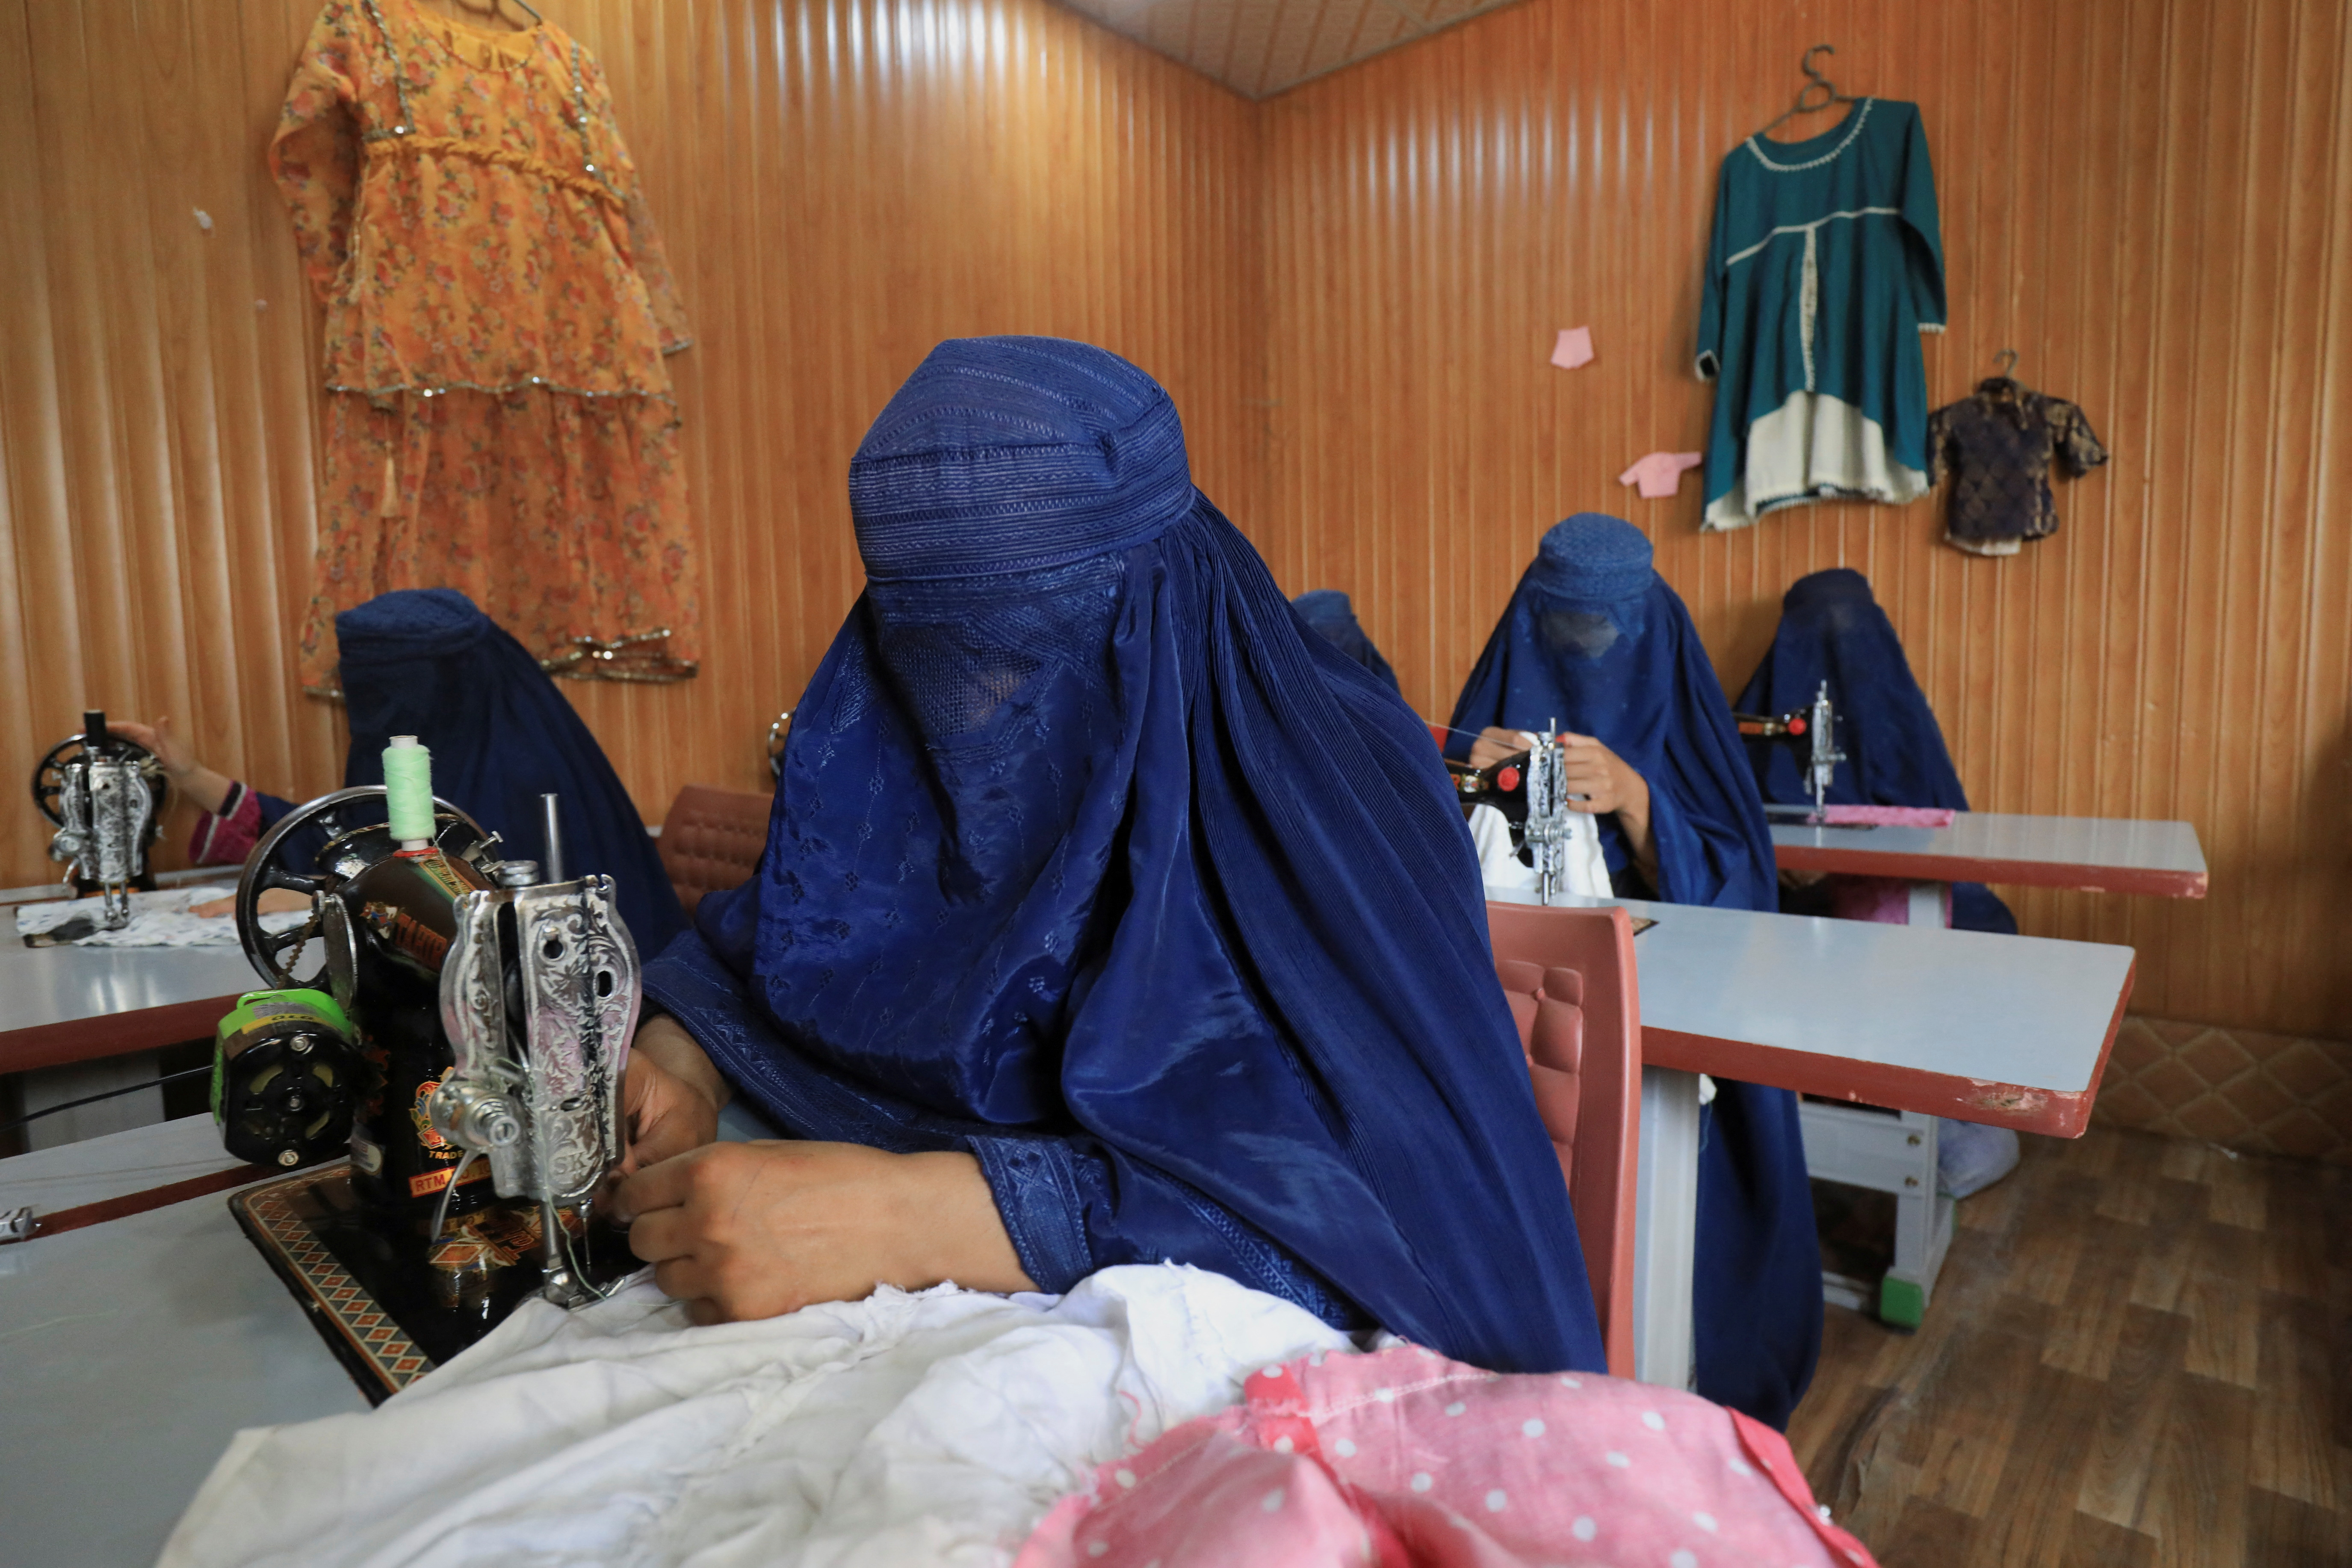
x=272, y=901
x=670, y=1095
x=740, y=1231
x=198, y=783
x=1608, y=783
x=1494, y=744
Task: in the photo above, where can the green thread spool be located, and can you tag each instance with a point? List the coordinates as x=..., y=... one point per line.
x=408, y=792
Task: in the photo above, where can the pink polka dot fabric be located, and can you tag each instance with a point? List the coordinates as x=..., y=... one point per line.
x=1404, y=1457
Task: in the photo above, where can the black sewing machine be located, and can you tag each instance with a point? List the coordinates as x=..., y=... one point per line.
x=105, y=796
x=461, y=1030
x=1815, y=730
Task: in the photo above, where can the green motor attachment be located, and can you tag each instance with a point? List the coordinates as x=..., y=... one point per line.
x=286, y=1079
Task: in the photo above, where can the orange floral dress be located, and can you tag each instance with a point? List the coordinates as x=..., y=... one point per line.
x=498, y=417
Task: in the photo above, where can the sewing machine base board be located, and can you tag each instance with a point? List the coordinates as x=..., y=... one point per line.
x=366, y=1285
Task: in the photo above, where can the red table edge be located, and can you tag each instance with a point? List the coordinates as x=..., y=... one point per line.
x=85, y=1214
x=1860, y=862
x=111, y=1033
x=2047, y=1112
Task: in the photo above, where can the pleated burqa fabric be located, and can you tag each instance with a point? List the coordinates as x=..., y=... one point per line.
x=1329, y=613
x=1090, y=858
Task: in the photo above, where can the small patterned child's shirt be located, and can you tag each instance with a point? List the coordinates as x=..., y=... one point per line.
x=1999, y=443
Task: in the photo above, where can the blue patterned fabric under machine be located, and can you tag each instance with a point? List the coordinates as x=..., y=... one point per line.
x=1595, y=640
x=425, y=662
x=1825, y=266
x=1089, y=859
x=1329, y=613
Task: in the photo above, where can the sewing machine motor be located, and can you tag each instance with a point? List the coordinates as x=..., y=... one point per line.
x=105, y=796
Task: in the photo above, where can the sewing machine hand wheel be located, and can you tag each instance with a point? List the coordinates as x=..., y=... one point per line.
x=343, y=857
x=49, y=776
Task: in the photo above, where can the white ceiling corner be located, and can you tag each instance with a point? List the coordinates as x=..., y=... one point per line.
x=1260, y=47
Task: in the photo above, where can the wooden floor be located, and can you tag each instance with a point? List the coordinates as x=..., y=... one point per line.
x=2139, y=1353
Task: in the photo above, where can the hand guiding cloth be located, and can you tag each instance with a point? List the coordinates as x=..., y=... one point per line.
x=1599, y=781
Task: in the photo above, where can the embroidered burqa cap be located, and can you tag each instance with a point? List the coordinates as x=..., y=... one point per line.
x=1832, y=628
x=1078, y=838
x=1334, y=619
x=425, y=662
x=1595, y=640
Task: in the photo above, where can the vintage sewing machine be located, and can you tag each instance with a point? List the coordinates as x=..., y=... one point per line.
x=1815, y=729
x=462, y=1032
x=1529, y=789
x=105, y=796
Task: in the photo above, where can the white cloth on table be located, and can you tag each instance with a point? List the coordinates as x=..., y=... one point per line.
x=159, y=918
x=930, y=1428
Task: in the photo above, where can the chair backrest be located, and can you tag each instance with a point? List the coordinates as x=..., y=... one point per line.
x=711, y=839
x=1570, y=979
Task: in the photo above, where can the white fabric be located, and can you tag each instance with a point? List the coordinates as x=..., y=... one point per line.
x=1813, y=447
x=159, y=919
x=1499, y=865
x=931, y=1428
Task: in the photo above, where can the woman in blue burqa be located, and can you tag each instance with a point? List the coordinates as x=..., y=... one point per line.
x=1329, y=613
x=1594, y=642
x=1108, y=916
x=426, y=662
x=1832, y=630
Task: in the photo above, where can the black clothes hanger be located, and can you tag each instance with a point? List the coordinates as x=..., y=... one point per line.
x=1828, y=88
x=2002, y=382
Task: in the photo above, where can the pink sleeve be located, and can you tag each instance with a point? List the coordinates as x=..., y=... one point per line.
x=226, y=837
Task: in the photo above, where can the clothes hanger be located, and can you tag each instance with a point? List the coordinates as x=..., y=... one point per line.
x=1830, y=94
x=2002, y=381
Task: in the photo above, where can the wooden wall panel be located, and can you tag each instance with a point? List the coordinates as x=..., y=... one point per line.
x=841, y=184
x=2146, y=198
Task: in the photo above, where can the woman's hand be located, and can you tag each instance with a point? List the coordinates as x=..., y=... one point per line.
x=751, y=1230
x=1609, y=783
x=1494, y=744
x=192, y=778
x=670, y=1094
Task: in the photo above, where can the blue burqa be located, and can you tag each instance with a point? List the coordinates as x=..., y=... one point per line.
x=1831, y=629
x=1594, y=640
x=425, y=662
x=1328, y=612
x=1087, y=858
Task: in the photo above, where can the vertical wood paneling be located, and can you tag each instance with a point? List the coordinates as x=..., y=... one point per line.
x=2146, y=198
x=841, y=185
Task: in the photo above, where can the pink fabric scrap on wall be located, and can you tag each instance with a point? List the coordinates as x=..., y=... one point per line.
x=1574, y=349
x=1892, y=815
x=1404, y=1457
x=1660, y=474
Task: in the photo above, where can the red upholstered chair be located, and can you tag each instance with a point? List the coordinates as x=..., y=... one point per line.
x=711, y=839
x=1570, y=976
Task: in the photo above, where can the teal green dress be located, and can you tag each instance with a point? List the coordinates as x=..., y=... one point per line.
x=1825, y=267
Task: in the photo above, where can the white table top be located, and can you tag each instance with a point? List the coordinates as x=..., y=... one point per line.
x=2094, y=853
x=131, y=1353
x=45, y=985
x=2006, y=1029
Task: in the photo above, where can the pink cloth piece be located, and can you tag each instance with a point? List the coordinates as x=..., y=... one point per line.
x=1660, y=474
x=1892, y=815
x=1886, y=900
x=1404, y=1458
x=1574, y=348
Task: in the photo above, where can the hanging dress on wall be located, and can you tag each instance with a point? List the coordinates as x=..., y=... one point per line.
x=498, y=416
x=1825, y=266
